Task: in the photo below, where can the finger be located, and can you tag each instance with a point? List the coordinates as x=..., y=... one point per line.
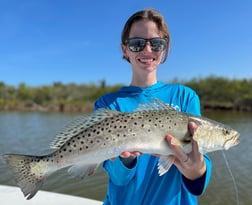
x=195, y=151
x=125, y=154
x=136, y=153
x=177, y=151
x=195, y=147
x=192, y=127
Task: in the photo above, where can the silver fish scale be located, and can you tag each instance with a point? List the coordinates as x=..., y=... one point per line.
x=121, y=128
x=79, y=125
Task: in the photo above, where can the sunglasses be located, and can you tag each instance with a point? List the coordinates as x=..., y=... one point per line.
x=138, y=44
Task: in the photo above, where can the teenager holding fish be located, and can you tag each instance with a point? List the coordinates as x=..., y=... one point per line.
x=134, y=179
x=141, y=118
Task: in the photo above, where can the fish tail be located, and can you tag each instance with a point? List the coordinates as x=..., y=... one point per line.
x=29, y=172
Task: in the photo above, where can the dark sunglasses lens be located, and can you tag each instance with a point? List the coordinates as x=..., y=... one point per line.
x=158, y=45
x=136, y=45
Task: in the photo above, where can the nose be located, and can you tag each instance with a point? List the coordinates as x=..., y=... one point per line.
x=147, y=47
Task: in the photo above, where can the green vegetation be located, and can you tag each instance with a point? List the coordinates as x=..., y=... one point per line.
x=222, y=93
x=214, y=92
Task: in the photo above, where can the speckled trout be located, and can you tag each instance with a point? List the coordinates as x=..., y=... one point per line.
x=104, y=134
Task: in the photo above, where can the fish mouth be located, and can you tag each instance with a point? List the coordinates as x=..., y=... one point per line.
x=233, y=141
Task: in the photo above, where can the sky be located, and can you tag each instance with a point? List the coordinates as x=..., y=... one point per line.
x=78, y=41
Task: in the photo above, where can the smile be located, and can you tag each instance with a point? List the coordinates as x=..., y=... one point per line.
x=146, y=60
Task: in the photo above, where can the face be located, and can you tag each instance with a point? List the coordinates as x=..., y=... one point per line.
x=145, y=61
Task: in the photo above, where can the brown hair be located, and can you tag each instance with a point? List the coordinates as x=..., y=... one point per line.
x=150, y=15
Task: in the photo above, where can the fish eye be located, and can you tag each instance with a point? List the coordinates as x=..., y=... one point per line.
x=226, y=132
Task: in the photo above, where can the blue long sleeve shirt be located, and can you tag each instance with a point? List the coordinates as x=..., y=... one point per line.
x=142, y=184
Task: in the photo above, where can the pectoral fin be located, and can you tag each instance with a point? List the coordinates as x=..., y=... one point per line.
x=81, y=171
x=164, y=164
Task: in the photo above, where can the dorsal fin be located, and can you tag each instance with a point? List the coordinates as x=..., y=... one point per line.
x=79, y=125
x=154, y=104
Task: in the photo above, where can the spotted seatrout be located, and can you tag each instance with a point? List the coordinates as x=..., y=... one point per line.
x=104, y=134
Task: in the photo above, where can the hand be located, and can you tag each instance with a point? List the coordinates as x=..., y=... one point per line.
x=127, y=154
x=191, y=165
x=129, y=158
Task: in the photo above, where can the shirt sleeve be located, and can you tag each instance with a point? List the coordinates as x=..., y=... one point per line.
x=198, y=186
x=119, y=174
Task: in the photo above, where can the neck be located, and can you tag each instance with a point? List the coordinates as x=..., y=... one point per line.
x=143, y=82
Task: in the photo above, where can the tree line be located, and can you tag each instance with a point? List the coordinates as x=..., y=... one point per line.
x=214, y=92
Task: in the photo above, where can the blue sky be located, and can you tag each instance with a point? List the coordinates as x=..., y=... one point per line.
x=46, y=41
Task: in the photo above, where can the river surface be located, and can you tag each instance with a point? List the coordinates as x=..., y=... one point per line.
x=32, y=132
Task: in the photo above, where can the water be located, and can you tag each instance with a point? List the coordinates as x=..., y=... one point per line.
x=32, y=132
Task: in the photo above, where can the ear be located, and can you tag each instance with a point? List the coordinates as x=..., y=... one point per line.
x=124, y=51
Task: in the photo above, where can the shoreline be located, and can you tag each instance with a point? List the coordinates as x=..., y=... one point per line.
x=89, y=108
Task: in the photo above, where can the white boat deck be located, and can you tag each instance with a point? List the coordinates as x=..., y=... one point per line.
x=10, y=195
